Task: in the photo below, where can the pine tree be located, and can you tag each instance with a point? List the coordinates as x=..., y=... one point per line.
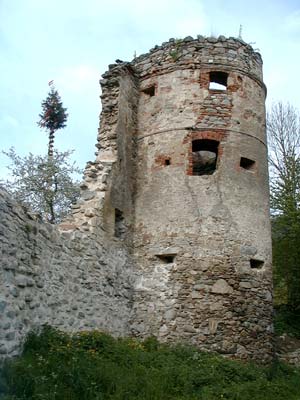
x=53, y=117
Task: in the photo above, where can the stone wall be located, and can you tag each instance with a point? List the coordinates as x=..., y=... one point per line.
x=202, y=244
x=71, y=281
x=108, y=182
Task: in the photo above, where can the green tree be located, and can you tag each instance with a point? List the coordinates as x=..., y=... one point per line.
x=53, y=116
x=44, y=183
x=283, y=126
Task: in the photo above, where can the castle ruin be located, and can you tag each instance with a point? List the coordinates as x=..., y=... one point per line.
x=171, y=236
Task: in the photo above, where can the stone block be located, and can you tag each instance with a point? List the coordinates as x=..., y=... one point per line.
x=221, y=287
x=21, y=281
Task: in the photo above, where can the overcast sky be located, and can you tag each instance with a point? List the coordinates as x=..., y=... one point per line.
x=73, y=41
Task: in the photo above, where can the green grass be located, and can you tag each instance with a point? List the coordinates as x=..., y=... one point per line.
x=94, y=366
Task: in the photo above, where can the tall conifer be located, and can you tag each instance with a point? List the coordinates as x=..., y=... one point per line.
x=53, y=116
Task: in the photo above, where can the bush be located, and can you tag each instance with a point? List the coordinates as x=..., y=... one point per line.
x=287, y=321
x=93, y=365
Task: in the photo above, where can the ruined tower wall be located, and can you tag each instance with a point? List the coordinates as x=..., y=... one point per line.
x=157, y=245
x=200, y=244
x=108, y=182
x=121, y=192
x=215, y=290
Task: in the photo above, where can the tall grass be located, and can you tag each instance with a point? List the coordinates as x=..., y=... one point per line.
x=95, y=366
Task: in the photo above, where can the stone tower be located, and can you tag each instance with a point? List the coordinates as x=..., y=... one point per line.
x=181, y=181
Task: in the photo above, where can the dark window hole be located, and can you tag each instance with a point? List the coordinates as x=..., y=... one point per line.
x=150, y=91
x=166, y=258
x=246, y=163
x=218, y=80
x=167, y=161
x=120, y=227
x=205, y=155
x=256, y=264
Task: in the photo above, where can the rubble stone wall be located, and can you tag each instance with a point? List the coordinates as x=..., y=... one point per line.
x=70, y=281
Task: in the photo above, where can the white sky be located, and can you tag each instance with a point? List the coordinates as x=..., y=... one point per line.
x=73, y=41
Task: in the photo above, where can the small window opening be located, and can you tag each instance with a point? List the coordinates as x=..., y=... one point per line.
x=218, y=80
x=150, y=91
x=246, y=163
x=120, y=227
x=205, y=155
x=166, y=258
x=167, y=161
x=256, y=264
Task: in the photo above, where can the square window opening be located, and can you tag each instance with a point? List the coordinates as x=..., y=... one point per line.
x=218, y=80
x=149, y=91
x=166, y=258
x=167, y=161
x=256, y=264
x=246, y=163
x=204, y=156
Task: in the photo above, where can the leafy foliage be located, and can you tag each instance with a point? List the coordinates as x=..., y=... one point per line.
x=287, y=320
x=93, y=365
x=286, y=258
x=283, y=124
x=45, y=184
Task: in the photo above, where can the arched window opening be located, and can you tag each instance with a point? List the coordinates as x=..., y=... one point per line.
x=205, y=155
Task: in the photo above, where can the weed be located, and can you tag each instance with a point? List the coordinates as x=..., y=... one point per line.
x=175, y=51
x=95, y=366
